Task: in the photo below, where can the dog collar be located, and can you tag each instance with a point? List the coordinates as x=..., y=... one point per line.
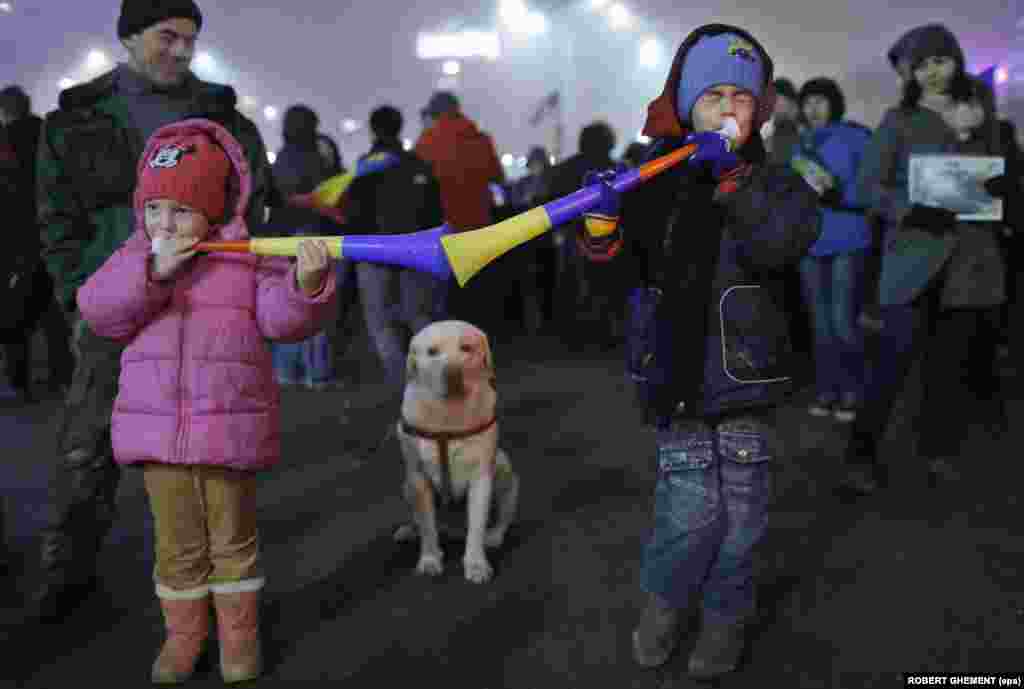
x=443, y=438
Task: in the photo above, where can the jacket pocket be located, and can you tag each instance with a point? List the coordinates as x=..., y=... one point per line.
x=98, y=159
x=754, y=341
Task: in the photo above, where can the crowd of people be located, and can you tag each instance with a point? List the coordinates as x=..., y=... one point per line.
x=787, y=236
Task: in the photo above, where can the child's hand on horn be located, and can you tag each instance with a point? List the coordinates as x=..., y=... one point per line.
x=311, y=269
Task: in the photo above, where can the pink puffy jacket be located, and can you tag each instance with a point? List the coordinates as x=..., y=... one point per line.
x=197, y=383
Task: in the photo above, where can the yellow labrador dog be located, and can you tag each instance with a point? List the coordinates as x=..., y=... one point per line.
x=449, y=439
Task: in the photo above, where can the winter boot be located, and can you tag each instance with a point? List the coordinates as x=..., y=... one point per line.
x=657, y=635
x=187, y=618
x=717, y=651
x=238, y=616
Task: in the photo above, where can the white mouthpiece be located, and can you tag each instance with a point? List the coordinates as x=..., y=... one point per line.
x=159, y=245
x=730, y=129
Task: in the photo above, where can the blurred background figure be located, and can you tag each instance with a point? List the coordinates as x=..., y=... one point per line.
x=833, y=269
x=28, y=298
x=465, y=164
x=399, y=196
x=588, y=292
x=299, y=168
x=634, y=154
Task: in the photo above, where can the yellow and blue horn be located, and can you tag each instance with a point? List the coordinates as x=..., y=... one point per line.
x=444, y=253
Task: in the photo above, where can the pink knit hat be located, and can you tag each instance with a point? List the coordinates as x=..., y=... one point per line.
x=191, y=169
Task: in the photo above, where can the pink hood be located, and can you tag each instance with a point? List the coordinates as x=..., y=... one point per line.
x=196, y=383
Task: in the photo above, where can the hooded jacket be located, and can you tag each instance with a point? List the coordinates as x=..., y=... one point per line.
x=197, y=384
x=465, y=163
x=717, y=252
x=839, y=147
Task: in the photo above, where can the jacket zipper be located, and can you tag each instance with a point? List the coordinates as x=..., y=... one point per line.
x=181, y=385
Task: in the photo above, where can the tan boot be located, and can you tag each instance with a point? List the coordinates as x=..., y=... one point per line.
x=187, y=618
x=238, y=618
x=657, y=635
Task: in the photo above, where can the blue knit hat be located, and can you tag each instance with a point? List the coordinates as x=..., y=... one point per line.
x=720, y=59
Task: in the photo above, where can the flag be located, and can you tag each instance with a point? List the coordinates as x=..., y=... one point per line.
x=546, y=107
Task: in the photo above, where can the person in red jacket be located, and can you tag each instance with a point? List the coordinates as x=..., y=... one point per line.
x=465, y=164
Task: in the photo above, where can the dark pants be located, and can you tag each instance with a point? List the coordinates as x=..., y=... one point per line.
x=59, y=360
x=945, y=338
x=83, y=485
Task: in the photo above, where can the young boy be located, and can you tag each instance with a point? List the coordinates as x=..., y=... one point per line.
x=713, y=237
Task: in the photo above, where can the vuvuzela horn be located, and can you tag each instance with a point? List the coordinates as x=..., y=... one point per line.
x=443, y=253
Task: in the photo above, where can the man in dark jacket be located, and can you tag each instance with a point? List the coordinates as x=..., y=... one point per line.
x=394, y=192
x=594, y=288
x=713, y=235
x=86, y=171
x=21, y=260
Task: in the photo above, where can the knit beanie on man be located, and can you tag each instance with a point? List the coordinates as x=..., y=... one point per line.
x=723, y=58
x=191, y=169
x=139, y=15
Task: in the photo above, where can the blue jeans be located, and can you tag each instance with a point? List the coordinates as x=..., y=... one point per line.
x=710, y=511
x=309, y=361
x=397, y=304
x=832, y=289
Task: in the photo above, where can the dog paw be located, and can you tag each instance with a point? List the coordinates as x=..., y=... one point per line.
x=431, y=564
x=406, y=532
x=478, y=569
x=494, y=538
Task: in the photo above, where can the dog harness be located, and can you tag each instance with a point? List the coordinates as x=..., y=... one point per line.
x=443, y=438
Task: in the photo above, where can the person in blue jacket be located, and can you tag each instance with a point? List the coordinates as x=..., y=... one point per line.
x=832, y=273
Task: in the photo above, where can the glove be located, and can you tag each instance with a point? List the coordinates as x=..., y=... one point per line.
x=713, y=154
x=1000, y=186
x=600, y=239
x=831, y=198
x=931, y=219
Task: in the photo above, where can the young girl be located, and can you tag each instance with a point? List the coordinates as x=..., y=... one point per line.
x=197, y=407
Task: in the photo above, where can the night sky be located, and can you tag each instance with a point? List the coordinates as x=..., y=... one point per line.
x=345, y=58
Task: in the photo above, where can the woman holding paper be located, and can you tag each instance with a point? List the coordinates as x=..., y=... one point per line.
x=941, y=276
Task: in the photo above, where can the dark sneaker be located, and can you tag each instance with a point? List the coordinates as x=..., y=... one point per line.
x=657, y=635
x=822, y=406
x=717, y=651
x=846, y=410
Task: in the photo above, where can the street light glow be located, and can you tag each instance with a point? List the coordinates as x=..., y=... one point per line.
x=618, y=16
x=96, y=60
x=520, y=19
x=1002, y=75
x=272, y=157
x=650, y=52
x=464, y=44
x=65, y=83
x=598, y=5
x=508, y=160
x=407, y=144
x=451, y=67
x=6, y=7
x=270, y=112
x=349, y=125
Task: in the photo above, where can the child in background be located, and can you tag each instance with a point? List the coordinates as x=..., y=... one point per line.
x=198, y=407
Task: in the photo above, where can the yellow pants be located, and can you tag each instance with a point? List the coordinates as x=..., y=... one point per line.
x=205, y=523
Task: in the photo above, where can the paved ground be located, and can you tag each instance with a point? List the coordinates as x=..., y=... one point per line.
x=851, y=595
